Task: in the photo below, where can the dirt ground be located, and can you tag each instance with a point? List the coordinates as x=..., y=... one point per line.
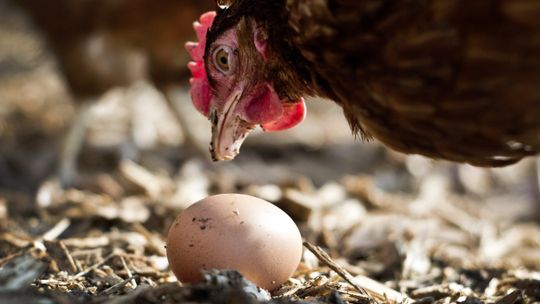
x=378, y=226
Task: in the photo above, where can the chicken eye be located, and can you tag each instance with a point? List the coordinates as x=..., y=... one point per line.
x=223, y=60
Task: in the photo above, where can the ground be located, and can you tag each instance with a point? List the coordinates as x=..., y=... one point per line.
x=378, y=226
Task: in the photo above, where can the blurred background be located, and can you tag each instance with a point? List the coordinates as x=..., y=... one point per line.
x=96, y=119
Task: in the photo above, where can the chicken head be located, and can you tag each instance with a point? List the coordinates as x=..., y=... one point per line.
x=234, y=85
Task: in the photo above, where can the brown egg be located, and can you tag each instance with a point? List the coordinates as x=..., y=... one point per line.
x=235, y=231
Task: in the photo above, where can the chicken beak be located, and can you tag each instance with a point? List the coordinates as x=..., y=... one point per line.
x=228, y=130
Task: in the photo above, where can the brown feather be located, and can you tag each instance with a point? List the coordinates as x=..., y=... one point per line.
x=451, y=79
x=155, y=30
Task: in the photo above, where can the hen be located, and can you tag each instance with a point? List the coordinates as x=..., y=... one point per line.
x=449, y=79
x=100, y=44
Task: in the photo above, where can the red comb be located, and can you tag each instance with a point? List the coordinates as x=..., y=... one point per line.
x=200, y=88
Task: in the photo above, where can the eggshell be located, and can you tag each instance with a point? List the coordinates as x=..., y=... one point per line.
x=235, y=231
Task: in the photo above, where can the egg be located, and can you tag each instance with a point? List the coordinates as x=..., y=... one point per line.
x=234, y=231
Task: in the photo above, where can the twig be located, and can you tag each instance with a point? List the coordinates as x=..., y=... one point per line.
x=157, y=245
x=325, y=258
x=60, y=254
x=118, y=286
x=141, y=177
x=95, y=266
x=382, y=292
x=366, y=286
x=57, y=230
x=128, y=271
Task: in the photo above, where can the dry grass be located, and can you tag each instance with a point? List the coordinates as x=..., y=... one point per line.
x=379, y=227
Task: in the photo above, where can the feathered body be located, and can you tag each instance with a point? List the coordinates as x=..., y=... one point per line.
x=450, y=79
x=101, y=44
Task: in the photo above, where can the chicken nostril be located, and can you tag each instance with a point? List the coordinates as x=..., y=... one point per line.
x=213, y=117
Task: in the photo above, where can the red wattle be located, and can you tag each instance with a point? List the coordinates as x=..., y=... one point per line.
x=293, y=114
x=264, y=106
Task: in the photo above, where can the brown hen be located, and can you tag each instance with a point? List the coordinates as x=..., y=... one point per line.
x=449, y=79
x=101, y=44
